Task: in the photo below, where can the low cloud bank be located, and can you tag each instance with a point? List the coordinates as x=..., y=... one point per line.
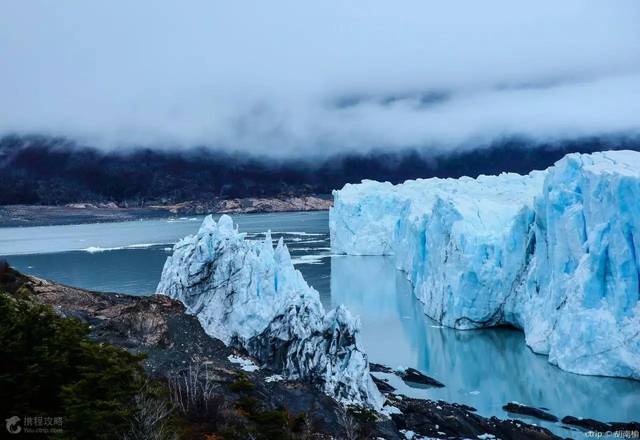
x=297, y=80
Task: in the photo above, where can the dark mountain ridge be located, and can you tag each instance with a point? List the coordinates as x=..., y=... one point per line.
x=42, y=170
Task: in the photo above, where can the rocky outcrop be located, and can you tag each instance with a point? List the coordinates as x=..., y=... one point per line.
x=590, y=424
x=259, y=204
x=28, y=215
x=410, y=376
x=413, y=377
x=438, y=419
x=518, y=408
x=75, y=213
x=614, y=429
x=250, y=205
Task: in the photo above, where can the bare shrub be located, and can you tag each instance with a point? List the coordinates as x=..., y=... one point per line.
x=349, y=425
x=192, y=392
x=150, y=418
x=304, y=427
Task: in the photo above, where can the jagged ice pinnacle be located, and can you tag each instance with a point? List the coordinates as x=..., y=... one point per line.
x=248, y=294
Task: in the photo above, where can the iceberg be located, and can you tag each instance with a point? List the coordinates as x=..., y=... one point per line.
x=555, y=253
x=248, y=294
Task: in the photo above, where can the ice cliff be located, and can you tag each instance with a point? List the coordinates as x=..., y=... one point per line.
x=248, y=294
x=555, y=253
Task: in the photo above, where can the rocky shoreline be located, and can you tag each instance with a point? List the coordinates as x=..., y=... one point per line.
x=89, y=212
x=173, y=341
x=251, y=205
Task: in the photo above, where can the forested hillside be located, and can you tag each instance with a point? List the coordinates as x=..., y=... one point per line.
x=54, y=171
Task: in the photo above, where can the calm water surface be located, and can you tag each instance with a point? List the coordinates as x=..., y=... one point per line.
x=482, y=368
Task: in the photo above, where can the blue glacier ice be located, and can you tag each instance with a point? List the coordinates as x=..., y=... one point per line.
x=555, y=253
x=248, y=294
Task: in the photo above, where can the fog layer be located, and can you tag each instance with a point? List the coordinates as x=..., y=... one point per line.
x=289, y=78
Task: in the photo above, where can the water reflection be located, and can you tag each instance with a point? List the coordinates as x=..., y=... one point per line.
x=482, y=368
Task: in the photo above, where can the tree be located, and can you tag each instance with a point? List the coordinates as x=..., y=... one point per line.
x=49, y=366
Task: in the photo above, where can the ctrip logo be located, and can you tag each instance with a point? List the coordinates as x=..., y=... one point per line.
x=13, y=425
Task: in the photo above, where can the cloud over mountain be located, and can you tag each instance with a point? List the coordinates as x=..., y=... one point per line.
x=289, y=78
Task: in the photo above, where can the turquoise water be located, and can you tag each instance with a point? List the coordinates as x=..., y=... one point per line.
x=482, y=368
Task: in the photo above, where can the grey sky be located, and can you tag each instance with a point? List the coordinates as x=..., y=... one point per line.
x=300, y=78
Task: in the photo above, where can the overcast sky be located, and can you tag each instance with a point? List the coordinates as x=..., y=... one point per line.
x=302, y=78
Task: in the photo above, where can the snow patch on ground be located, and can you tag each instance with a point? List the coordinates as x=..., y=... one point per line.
x=245, y=364
x=390, y=409
x=274, y=378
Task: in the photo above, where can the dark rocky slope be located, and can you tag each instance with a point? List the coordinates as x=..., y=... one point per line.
x=45, y=170
x=173, y=341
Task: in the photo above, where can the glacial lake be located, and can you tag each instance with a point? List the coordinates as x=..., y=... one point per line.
x=482, y=368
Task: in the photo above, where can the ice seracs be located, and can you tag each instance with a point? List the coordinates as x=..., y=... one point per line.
x=248, y=294
x=554, y=252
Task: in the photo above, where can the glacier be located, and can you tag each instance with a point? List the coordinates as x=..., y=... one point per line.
x=248, y=294
x=555, y=253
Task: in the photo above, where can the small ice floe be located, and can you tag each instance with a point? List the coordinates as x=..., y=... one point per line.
x=274, y=378
x=310, y=259
x=303, y=234
x=97, y=249
x=436, y=326
x=474, y=392
x=486, y=436
x=245, y=364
